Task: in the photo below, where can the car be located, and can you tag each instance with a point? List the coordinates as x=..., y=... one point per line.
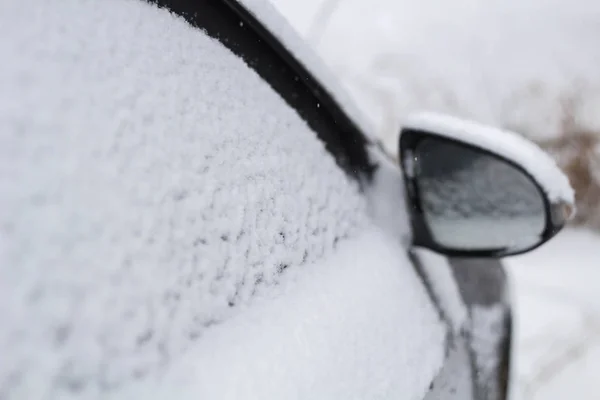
x=191, y=207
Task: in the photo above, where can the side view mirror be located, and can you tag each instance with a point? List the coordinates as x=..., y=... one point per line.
x=477, y=191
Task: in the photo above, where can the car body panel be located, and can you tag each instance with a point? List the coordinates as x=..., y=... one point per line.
x=121, y=181
x=334, y=329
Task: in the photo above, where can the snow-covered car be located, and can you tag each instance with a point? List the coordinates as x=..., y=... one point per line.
x=190, y=207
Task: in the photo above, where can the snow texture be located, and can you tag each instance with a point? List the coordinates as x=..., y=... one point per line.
x=152, y=187
x=280, y=27
x=504, y=143
x=336, y=330
x=387, y=200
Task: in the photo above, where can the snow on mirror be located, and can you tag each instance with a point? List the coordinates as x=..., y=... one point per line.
x=473, y=200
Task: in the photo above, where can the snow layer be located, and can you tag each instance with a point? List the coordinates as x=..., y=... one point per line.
x=336, y=330
x=144, y=201
x=505, y=143
x=137, y=213
x=387, y=200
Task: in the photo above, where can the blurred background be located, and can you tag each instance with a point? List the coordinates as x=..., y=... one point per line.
x=532, y=66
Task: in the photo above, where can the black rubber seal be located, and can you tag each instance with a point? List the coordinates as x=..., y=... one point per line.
x=236, y=28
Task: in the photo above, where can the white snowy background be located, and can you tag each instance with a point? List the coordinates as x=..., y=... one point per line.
x=529, y=65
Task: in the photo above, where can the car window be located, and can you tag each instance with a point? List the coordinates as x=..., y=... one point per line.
x=144, y=202
x=254, y=31
x=152, y=186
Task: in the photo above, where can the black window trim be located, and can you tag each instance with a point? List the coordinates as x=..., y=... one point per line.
x=236, y=28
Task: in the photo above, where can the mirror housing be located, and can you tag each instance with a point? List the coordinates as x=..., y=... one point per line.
x=476, y=191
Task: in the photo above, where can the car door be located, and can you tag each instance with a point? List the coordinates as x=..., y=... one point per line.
x=190, y=214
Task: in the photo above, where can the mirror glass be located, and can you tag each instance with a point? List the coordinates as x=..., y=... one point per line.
x=472, y=200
